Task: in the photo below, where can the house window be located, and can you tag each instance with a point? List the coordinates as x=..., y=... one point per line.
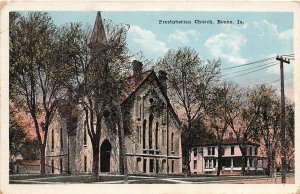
x=195, y=164
x=209, y=164
x=211, y=151
x=251, y=163
x=163, y=142
x=195, y=152
x=61, y=165
x=172, y=141
x=232, y=150
x=52, y=139
x=61, y=138
x=85, y=164
x=250, y=151
x=255, y=151
x=84, y=136
x=52, y=166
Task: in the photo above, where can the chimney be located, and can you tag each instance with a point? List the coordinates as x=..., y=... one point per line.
x=162, y=76
x=137, y=68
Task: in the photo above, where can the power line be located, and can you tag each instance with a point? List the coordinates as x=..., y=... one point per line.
x=248, y=68
x=259, y=61
x=272, y=82
x=263, y=60
x=251, y=71
x=289, y=54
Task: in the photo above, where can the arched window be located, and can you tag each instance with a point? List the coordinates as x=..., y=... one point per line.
x=52, y=139
x=150, y=130
x=172, y=141
x=138, y=134
x=61, y=138
x=163, y=116
x=138, y=108
x=156, y=136
x=144, y=133
x=84, y=134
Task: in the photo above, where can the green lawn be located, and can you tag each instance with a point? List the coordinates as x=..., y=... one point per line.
x=66, y=178
x=220, y=178
x=152, y=181
x=137, y=179
x=31, y=176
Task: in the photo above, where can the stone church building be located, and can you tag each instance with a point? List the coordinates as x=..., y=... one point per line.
x=153, y=145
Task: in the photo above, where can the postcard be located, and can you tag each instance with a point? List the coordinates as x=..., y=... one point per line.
x=142, y=95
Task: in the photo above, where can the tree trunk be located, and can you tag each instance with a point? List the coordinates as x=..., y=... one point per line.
x=123, y=150
x=244, y=160
x=269, y=163
x=42, y=158
x=95, y=165
x=219, y=159
x=188, y=169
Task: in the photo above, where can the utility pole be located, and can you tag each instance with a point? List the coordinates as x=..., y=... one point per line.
x=283, y=143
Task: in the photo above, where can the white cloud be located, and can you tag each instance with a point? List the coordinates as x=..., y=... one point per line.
x=268, y=29
x=227, y=46
x=146, y=40
x=183, y=37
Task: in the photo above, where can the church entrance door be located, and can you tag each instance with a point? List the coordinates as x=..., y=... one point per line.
x=105, y=151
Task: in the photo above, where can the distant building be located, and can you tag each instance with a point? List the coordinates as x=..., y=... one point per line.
x=204, y=158
x=153, y=141
x=27, y=167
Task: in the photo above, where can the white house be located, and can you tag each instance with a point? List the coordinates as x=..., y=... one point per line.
x=204, y=158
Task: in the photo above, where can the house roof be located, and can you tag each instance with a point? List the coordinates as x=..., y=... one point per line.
x=226, y=141
x=28, y=162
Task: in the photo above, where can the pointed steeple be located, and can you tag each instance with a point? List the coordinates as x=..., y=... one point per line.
x=98, y=38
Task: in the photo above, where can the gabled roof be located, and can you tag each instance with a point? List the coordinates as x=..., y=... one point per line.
x=28, y=162
x=98, y=34
x=134, y=86
x=226, y=141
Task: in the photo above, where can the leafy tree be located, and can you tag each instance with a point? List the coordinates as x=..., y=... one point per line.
x=17, y=136
x=222, y=105
x=243, y=125
x=19, y=142
x=37, y=70
x=95, y=83
x=267, y=125
x=190, y=80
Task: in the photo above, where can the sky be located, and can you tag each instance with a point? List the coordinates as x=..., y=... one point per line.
x=260, y=35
